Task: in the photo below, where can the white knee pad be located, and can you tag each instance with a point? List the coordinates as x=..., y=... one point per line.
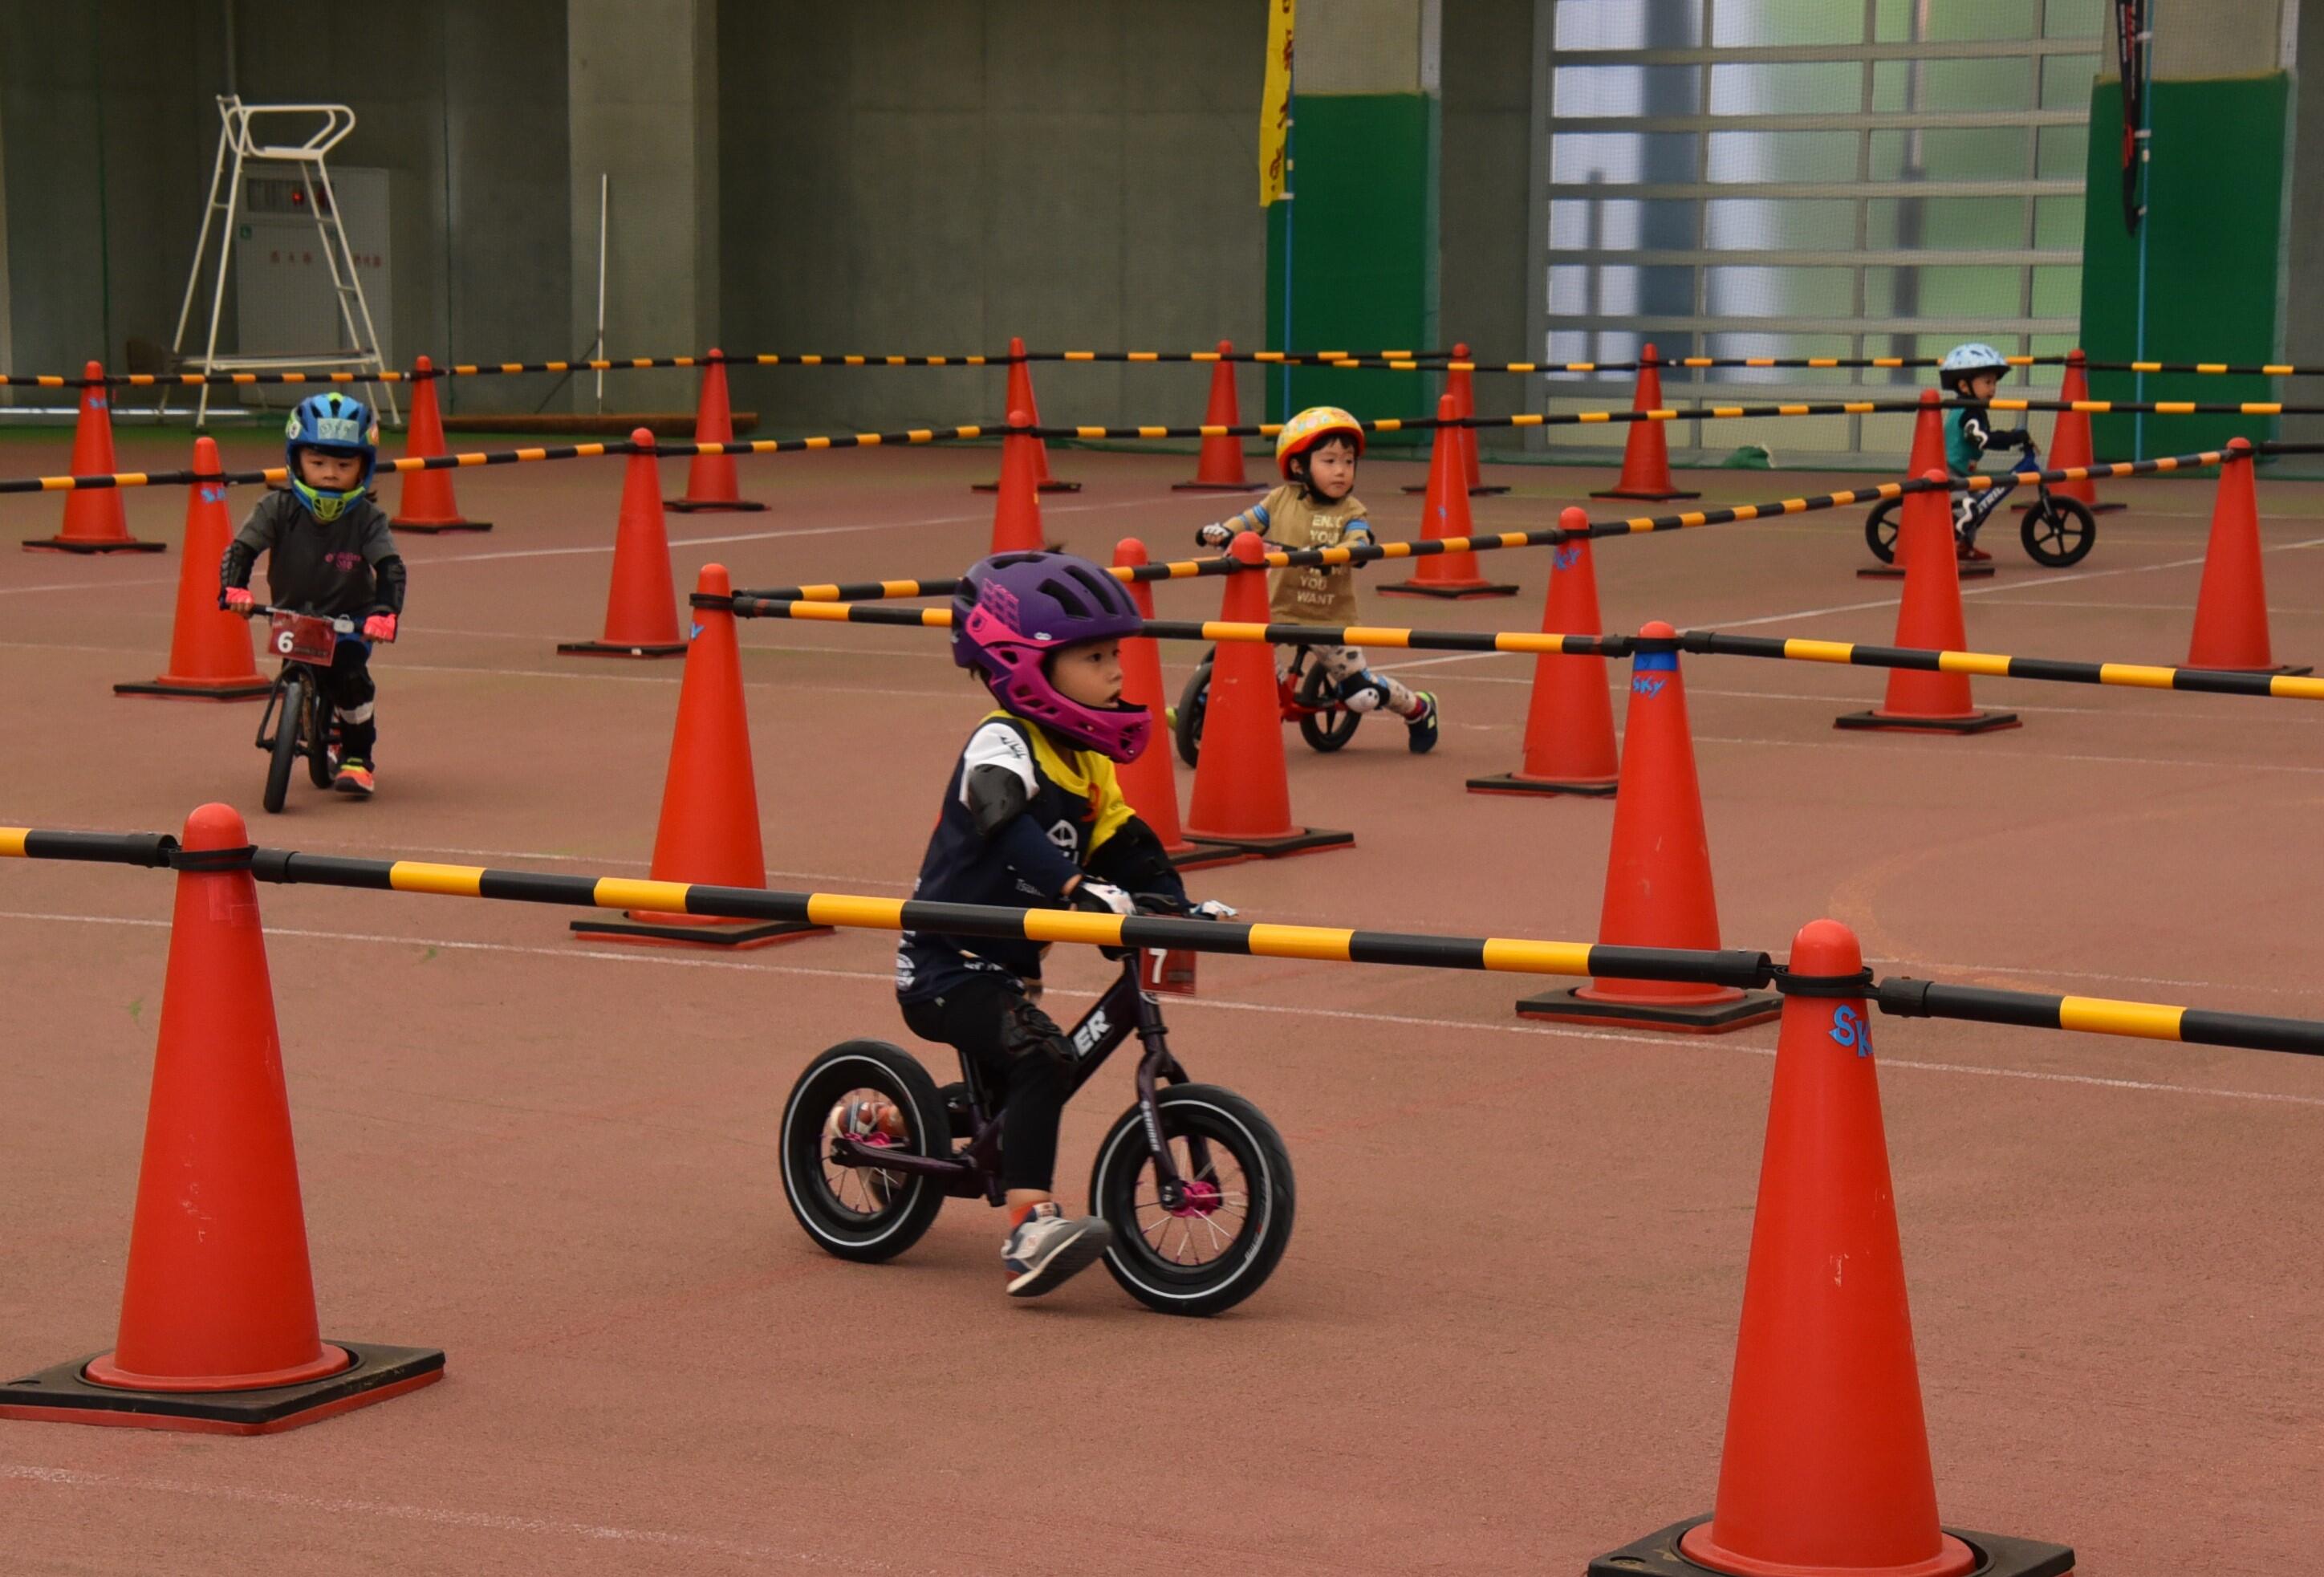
x=357, y=714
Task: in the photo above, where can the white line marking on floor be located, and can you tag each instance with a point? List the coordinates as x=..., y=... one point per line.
x=1223, y=1004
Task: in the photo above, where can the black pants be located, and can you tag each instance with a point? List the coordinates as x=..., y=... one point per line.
x=1013, y=1045
x=347, y=685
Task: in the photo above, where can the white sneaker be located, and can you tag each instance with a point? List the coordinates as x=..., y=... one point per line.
x=1049, y=1248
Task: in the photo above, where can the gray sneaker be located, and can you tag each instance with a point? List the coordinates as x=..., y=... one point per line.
x=1048, y=1247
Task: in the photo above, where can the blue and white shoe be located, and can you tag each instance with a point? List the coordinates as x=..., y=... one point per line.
x=1049, y=1248
x=1421, y=736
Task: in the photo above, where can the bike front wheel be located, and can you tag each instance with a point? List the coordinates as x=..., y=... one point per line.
x=290, y=726
x=2058, y=532
x=1194, y=700
x=1224, y=1236
x=861, y=1212
x=1880, y=531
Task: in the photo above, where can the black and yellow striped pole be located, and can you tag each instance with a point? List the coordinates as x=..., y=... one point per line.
x=1902, y=996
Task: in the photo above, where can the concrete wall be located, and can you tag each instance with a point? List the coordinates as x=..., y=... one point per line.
x=932, y=176
x=1483, y=197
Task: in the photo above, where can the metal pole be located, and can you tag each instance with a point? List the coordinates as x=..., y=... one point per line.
x=2139, y=63
x=605, y=189
x=1291, y=205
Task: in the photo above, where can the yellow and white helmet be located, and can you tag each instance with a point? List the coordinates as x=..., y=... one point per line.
x=1311, y=427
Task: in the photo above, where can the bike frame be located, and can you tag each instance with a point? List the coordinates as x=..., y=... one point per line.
x=1126, y=1009
x=318, y=719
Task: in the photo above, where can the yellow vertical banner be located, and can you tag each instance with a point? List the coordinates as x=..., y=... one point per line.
x=1275, y=103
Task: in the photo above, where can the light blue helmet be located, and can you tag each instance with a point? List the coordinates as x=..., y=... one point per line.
x=1967, y=360
x=336, y=424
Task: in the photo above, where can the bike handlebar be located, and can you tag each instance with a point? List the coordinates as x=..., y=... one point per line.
x=341, y=623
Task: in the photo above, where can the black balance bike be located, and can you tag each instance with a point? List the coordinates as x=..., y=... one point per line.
x=299, y=720
x=1193, y=1179
x=2058, y=532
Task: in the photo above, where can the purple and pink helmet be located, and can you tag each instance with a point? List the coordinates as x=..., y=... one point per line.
x=1013, y=610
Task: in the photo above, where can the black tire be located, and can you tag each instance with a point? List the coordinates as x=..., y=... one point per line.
x=319, y=741
x=1880, y=531
x=289, y=723
x=1140, y=1258
x=1324, y=730
x=830, y=1214
x=2058, y=532
x=1193, y=702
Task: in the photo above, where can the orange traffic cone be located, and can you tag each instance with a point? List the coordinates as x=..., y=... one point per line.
x=1825, y=1472
x=639, y=616
x=1147, y=782
x=217, y=1315
x=1465, y=405
x=1928, y=455
x=210, y=648
x=1219, y=468
x=710, y=483
x=1921, y=700
x=94, y=519
x=709, y=827
x=429, y=507
x=1658, y=890
x=2231, y=608
x=1568, y=737
x=1445, y=513
x=1645, y=453
x=1021, y=398
x=1017, y=513
x=2070, y=439
x=1242, y=795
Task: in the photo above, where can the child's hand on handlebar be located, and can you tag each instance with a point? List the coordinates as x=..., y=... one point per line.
x=1099, y=898
x=379, y=627
x=1210, y=909
x=236, y=599
x=1217, y=534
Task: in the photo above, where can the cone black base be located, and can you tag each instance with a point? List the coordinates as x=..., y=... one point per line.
x=1999, y=1555
x=1975, y=723
x=242, y=690
x=688, y=506
x=1305, y=841
x=733, y=937
x=1457, y=592
x=1481, y=490
x=58, y=545
x=1512, y=783
x=2096, y=509
x=1712, y=1018
x=1206, y=856
x=1218, y=487
x=609, y=649
x=60, y=1395
x=439, y=528
x=1977, y=571
x=1643, y=497
x=1051, y=485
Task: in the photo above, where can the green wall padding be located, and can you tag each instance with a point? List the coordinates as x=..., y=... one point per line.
x=1364, y=250
x=2215, y=209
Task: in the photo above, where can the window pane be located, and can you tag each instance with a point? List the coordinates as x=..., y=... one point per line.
x=1987, y=223
x=1790, y=224
x=1628, y=25
x=1788, y=21
x=2058, y=291
x=2074, y=18
x=2065, y=152
x=1612, y=90
x=1613, y=345
x=2066, y=81
x=1779, y=292
x=1789, y=345
x=1745, y=156
x=1581, y=290
x=2058, y=224
x=1807, y=88
x=1943, y=290
x=1621, y=224
x=1951, y=154
x=1955, y=21
x=1951, y=85
x=1621, y=156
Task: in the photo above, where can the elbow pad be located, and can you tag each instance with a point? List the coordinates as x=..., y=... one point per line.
x=234, y=567
x=390, y=575
x=996, y=796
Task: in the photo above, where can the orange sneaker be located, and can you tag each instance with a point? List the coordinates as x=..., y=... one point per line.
x=353, y=777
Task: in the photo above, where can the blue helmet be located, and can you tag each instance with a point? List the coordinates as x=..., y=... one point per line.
x=1964, y=361
x=335, y=424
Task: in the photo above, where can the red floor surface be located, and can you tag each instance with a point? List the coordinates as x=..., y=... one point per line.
x=1502, y=1334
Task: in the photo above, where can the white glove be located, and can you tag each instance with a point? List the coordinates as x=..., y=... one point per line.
x=1210, y=909
x=1099, y=898
x=1215, y=535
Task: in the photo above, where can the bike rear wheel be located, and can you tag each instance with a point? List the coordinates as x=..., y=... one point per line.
x=2058, y=532
x=1222, y=1240
x=318, y=738
x=290, y=726
x=860, y=1212
x=1325, y=725
x=1880, y=531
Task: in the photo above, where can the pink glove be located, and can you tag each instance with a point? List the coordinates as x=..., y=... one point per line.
x=238, y=600
x=379, y=627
